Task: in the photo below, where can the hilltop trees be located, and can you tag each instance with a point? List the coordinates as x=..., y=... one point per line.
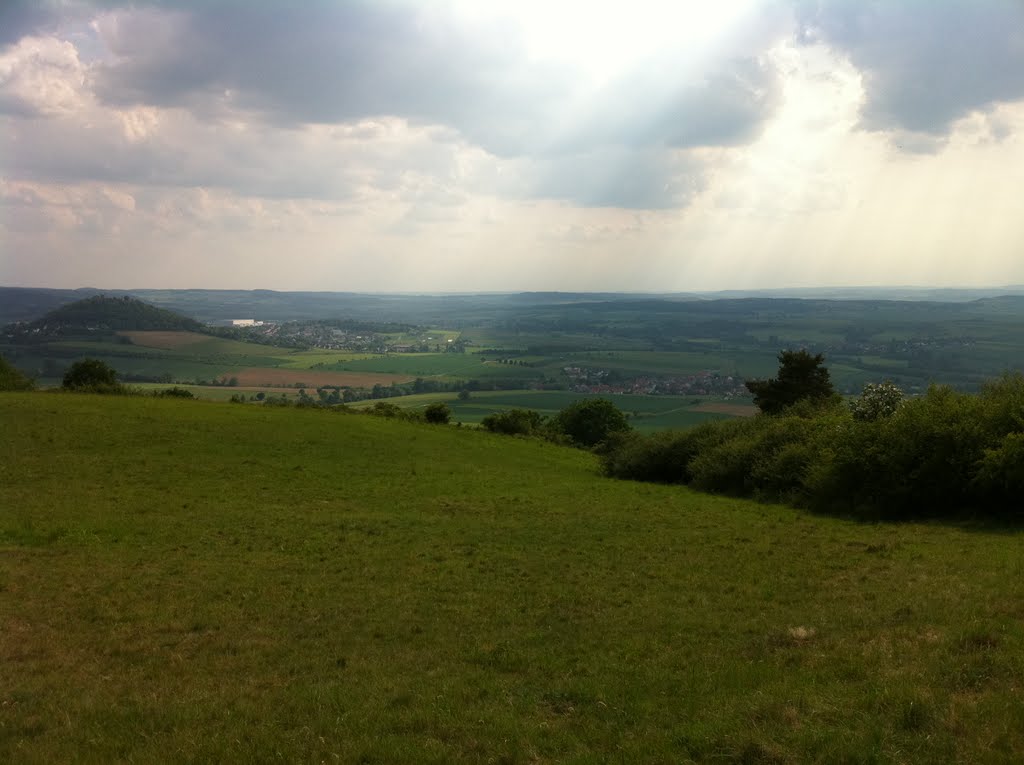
x=801, y=377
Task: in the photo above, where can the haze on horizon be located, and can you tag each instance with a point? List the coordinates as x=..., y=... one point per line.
x=392, y=145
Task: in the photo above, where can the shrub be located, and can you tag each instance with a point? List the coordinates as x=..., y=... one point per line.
x=589, y=422
x=1000, y=477
x=663, y=457
x=178, y=393
x=918, y=463
x=385, y=409
x=514, y=422
x=91, y=376
x=877, y=400
x=11, y=378
x=438, y=413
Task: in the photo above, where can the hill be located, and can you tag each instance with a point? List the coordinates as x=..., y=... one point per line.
x=203, y=581
x=100, y=313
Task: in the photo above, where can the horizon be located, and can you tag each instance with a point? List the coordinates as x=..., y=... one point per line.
x=405, y=147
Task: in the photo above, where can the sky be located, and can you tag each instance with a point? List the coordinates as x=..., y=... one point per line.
x=508, y=145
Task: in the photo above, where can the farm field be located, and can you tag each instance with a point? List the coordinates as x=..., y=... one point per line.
x=312, y=378
x=185, y=580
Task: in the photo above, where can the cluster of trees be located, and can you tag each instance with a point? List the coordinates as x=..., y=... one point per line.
x=92, y=376
x=942, y=454
x=588, y=423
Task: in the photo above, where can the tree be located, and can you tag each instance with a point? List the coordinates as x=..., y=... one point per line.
x=464, y=394
x=801, y=377
x=877, y=401
x=438, y=413
x=514, y=422
x=91, y=374
x=589, y=422
x=12, y=379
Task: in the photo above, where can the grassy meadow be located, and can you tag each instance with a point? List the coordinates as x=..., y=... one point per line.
x=200, y=581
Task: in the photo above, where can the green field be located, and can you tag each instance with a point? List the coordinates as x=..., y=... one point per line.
x=196, y=581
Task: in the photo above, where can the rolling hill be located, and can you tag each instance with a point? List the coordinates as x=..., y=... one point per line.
x=100, y=313
x=204, y=581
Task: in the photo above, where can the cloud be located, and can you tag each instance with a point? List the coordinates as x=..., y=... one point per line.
x=19, y=18
x=40, y=77
x=340, y=62
x=924, y=65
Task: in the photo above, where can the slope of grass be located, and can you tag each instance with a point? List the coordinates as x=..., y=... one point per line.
x=195, y=581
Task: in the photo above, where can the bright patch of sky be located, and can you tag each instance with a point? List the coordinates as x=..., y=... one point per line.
x=511, y=145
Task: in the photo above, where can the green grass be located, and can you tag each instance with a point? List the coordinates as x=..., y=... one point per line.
x=195, y=581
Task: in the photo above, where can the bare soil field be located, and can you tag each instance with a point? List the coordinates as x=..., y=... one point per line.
x=165, y=340
x=287, y=378
x=737, y=410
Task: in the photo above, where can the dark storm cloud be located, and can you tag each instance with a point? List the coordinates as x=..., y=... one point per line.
x=22, y=17
x=925, y=64
x=328, y=63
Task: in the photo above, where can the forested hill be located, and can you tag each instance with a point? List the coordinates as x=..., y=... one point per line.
x=102, y=313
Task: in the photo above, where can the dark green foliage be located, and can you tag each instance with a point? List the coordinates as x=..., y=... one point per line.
x=12, y=379
x=588, y=423
x=663, y=457
x=438, y=413
x=93, y=376
x=801, y=377
x=102, y=313
x=177, y=392
x=514, y=422
x=944, y=454
x=385, y=409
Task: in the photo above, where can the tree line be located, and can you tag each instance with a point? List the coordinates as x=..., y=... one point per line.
x=881, y=456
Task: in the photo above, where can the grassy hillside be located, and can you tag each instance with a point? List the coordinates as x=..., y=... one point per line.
x=196, y=581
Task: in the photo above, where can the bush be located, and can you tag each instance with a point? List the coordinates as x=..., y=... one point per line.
x=514, y=422
x=662, y=457
x=92, y=376
x=589, y=422
x=176, y=393
x=438, y=413
x=385, y=409
x=12, y=379
x=877, y=400
x=919, y=463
